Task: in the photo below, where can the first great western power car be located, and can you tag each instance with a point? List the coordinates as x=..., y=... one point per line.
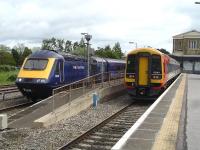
x=45, y=70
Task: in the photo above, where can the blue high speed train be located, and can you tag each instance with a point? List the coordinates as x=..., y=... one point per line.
x=45, y=70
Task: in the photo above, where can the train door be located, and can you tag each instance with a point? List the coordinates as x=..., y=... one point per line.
x=59, y=73
x=143, y=70
x=93, y=69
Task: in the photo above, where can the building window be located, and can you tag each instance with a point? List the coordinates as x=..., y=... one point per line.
x=192, y=44
x=179, y=45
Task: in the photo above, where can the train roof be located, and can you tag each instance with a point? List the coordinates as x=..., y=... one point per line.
x=55, y=54
x=45, y=54
x=114, y=60
x=69, y=57
x=149, y=50
x=98, y=59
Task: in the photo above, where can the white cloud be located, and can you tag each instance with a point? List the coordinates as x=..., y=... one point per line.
x=149, y=23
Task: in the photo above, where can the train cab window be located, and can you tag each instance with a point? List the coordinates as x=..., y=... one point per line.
x=156, y=65
x=36, y=64
x=131, y=64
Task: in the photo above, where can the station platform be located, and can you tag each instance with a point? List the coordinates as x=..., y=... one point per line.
x=172, y=122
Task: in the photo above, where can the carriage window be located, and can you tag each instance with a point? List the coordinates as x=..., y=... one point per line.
x=36, y=64
x=131, y=64
x=156, y=65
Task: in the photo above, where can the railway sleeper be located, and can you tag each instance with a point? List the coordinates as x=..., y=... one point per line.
x=98, y=142
x=107, y=134
x=116, y=127
x=129, y=121
x=108, y=130
x=122, y=122
x=107, y=138
x=120, y=125
x=93, y=147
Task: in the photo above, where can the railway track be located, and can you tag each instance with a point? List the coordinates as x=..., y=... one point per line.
x=108, y=132
x=7, y=89
x=7, y=86
x=8, y=108
x=14, y=105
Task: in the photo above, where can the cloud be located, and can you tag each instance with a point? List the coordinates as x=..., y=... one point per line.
x=149, y=23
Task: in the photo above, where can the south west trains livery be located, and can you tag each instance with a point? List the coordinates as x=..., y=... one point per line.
x=149, y=72
x=45, y=70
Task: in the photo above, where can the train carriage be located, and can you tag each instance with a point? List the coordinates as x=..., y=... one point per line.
x=148, y=72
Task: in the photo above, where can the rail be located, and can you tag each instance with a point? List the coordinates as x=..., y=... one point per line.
x=7, y=86
x=7, y=89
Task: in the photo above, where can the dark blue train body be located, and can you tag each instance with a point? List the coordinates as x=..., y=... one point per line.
x=45, y=70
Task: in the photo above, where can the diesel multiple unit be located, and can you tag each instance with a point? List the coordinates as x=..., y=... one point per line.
x=149, y=72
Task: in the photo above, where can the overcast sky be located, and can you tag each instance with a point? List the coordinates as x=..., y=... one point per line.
x=147, y=22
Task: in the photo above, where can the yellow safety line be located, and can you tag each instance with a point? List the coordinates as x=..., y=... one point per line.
x=167, y=136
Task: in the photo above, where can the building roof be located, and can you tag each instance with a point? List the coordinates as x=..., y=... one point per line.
x=189, y=34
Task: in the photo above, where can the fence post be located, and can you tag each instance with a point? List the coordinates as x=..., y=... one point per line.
x=3, y=96
x=109, y=78
x=94, y=82
x=83, y=86
x=53, y=103
x=70, y=92
x=102, y=79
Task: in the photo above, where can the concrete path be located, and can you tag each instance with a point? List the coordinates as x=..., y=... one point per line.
x=193, y=112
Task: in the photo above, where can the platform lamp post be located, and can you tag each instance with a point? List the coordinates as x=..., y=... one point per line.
x=133, y=43
x=88, y=37
x=84, y=43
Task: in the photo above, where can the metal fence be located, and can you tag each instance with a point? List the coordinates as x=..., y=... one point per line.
x=65, y=94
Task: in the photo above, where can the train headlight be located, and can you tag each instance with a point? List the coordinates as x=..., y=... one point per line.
x=43, y=80
x=19, y=79
x=156, y=77
x=132, y=76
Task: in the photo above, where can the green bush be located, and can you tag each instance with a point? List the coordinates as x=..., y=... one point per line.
x=6, y=68
x=6, y=58
x=12, y=77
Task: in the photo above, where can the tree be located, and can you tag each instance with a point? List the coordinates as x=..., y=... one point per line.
x=75, y=46
x=19, y=53
x=25, y=54
x=60, y=44
x=46, y=45
x=68, y=46
x=105, y=52
x=117, y=51
x=82, y=43
x=16, y=56
x=6, y=58
x=57, y=44
x=19, y=47
x=4, y=48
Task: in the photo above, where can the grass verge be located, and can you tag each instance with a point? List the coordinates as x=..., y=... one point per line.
x=8, y=77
